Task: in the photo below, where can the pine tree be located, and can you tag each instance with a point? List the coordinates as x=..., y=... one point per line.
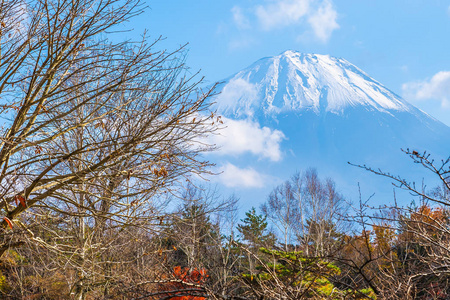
x=254, y=230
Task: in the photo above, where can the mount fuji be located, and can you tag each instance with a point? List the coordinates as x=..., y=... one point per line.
x=310, y=110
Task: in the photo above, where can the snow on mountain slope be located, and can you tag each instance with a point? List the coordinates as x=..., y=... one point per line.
x=330, y=113
x=293, y=81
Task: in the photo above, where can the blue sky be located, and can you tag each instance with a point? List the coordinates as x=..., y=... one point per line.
x=404, y=44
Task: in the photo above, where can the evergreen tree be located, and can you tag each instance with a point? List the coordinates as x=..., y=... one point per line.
x=254, y=230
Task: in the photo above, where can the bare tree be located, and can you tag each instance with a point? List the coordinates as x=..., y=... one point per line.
x=308, y=211
x=94, y=133
x=282, y=208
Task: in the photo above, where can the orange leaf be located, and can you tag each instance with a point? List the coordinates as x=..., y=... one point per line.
x=22, y=200
x=8, y=221
x=177, y=271
x=38, y=150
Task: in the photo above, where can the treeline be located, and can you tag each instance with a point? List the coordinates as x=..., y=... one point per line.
x=305, y=242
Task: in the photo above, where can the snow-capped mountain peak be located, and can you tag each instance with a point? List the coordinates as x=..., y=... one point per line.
x=294, y=81
x=320, y=111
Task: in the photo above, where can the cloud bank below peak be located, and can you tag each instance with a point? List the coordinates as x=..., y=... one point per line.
x=245, y=136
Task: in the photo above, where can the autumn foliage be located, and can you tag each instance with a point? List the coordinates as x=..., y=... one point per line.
x=425, y=222
x=187, y=284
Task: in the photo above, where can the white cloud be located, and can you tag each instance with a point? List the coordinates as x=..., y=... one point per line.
x=318, y=16
x=436, y=88
x=233, y=176
x=323, y=21
x=245, y=136
x=234, y=91
x=239, y=18
x=282, y=13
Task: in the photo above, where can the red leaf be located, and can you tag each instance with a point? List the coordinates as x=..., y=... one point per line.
x=22, y=200
x=8, y=221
